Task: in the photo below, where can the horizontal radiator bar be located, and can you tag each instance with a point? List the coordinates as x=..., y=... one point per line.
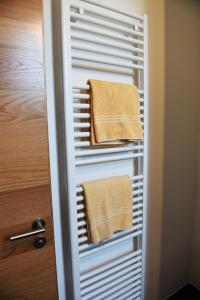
x=124, y=29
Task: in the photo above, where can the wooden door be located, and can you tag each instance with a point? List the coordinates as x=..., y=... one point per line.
x=25, y=271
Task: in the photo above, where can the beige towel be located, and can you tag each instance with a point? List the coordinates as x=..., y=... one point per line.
x=108, y=206
x=115, y=113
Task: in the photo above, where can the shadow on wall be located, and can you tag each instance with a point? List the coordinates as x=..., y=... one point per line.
x=181, y=144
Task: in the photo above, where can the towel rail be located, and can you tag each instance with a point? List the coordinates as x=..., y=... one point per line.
x=81, y=144
x=124, y=291
x=88, y=125
x=115, y=285
x=133, y=257
x=107, y=159
x=88, y=115
x=76, y=16
x=87, y=106
x=83, y=231
x=81, y=134
x=81, y=105
x=87, y=249
x=87, y=87
x=81, y=96
x=127, y=295
x=106, y=44
x=106, y=61
x=107, y=151
x=81, y=115
x=102, y=280
x=83, y=241
x=106, y=52
x=102, y=32
x=102, y=68
x=108, y=12
x=82, y=206
x=135, y=193
x=137, y=211
x=106, y=281
x=103, y=42
x=82, y=126
x=87, y=156
x=93, y=41
x=79, y=188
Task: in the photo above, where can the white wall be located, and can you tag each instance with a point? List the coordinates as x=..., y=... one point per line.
x=195, y=250
x=181, y=109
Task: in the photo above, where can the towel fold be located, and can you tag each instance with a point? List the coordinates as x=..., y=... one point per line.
x=108, y=206
x=115, y=113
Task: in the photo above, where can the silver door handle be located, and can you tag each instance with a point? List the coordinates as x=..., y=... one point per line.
x=27, y=234
x=38, y=227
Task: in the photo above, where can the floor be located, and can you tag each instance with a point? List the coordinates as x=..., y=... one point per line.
x=187, y=293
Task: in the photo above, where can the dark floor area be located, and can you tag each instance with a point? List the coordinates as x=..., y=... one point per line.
x=187, y=293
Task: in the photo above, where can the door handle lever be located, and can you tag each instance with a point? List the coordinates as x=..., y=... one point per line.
x=38, y=227
x=27, y=234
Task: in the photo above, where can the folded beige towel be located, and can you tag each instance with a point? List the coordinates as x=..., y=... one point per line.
x=108, y=206
x=115, y=113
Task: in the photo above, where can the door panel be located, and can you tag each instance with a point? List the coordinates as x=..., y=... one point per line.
x=23, y=148
x=19, y=284
x=18, y=209
x=25, y=272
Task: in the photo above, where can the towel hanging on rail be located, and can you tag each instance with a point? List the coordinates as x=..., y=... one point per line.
x=115, y=113
x=108, y=206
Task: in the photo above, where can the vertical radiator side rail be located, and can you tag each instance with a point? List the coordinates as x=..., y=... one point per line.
x=146, y=154
x=53, y=147
x=74, y=286
x=61, y=145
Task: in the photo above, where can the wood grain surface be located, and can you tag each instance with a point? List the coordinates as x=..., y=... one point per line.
x=25, y=272
x=23, y=132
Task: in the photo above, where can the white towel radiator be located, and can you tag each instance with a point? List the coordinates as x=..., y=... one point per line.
x=85, y=40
